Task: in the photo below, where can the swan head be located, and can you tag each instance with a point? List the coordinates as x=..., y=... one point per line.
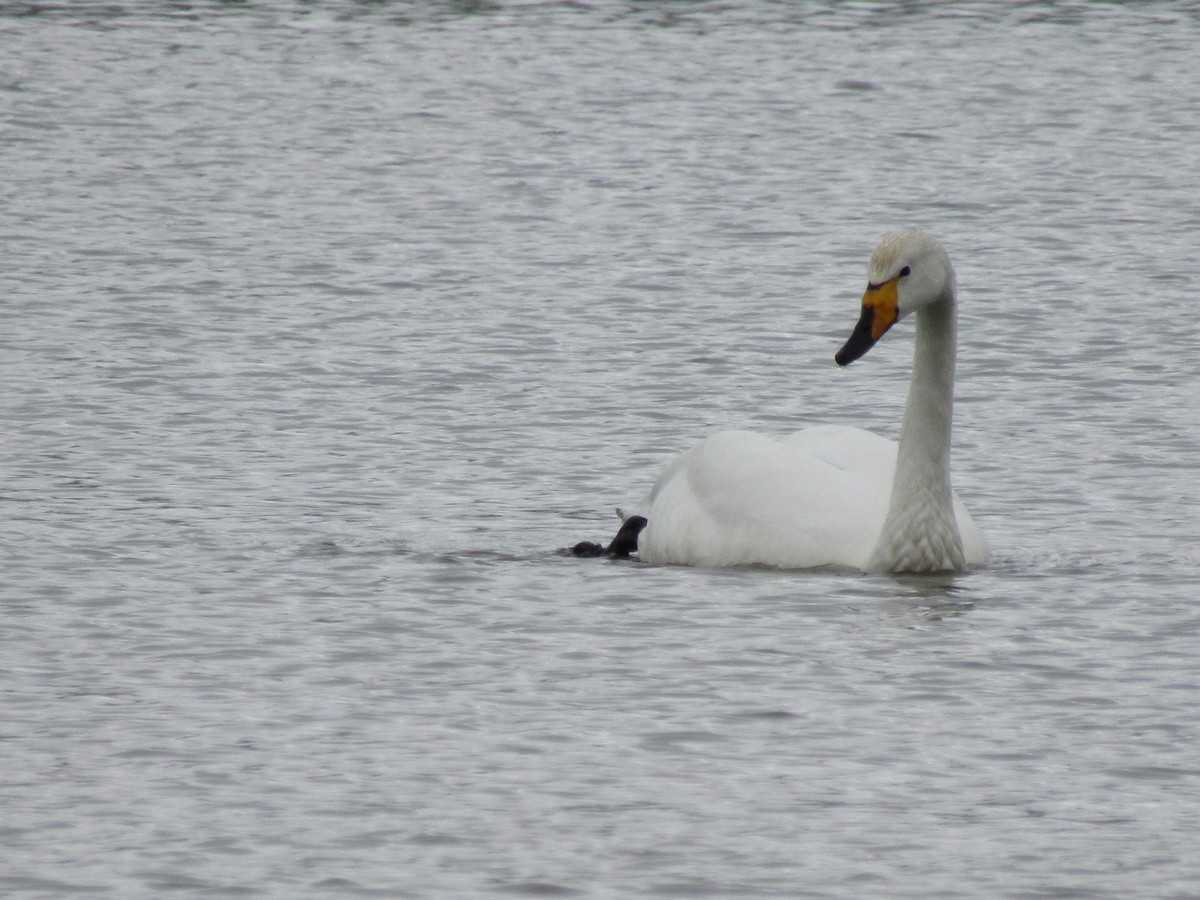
x=908, y=270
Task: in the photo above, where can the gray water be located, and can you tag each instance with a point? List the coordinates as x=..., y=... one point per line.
x=326, y=326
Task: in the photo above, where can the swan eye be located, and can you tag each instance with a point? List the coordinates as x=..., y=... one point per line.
x=905, y=272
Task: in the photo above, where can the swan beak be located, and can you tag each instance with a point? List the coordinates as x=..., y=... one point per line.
x=880, y=311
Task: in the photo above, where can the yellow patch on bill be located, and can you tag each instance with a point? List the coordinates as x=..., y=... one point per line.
x=884, y=304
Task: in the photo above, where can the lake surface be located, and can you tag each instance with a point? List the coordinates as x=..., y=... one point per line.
x=326, y=326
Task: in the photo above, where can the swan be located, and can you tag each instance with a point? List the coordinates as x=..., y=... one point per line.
x=833, y=495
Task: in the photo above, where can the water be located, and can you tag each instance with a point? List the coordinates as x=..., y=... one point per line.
x=327, y=325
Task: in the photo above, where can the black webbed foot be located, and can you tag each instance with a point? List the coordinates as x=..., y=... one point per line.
x=625, y=542
x=587, y=549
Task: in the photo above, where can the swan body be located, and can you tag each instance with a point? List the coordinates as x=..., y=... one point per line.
x=834, y=495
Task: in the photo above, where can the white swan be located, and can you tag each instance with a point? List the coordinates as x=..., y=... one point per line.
x=833, y=495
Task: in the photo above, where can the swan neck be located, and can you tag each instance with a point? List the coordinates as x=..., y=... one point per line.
x=925, y=428
x=920, y=532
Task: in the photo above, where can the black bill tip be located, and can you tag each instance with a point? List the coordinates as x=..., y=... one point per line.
x=860, y=339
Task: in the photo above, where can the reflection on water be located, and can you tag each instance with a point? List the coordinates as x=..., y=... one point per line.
x=939, y=595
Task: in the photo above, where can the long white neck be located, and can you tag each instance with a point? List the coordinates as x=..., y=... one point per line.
x=920, y=533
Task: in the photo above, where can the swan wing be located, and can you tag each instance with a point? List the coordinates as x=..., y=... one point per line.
x=975, y=545
x=814, y=498
x=873, y=458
